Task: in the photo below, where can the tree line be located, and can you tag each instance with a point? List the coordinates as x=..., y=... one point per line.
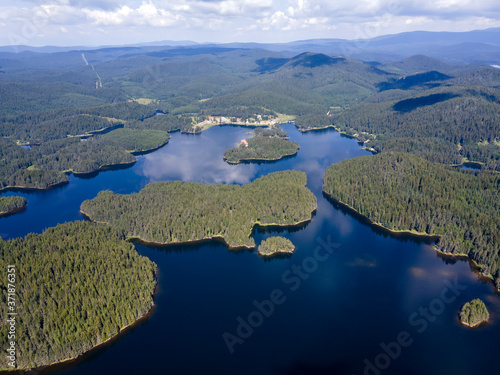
x=275, y=245
x=76, y=286
x=404, y=192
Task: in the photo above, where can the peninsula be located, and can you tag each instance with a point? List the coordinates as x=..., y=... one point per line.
x=402, y=192
x=177, y=212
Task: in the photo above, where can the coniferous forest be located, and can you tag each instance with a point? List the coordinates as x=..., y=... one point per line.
x=404, y=192
x=137, y=140
x=10, y=204
x=173, y=212
x=275, y=245
x=77, y=285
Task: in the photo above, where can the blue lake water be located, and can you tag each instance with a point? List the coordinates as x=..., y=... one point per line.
x=350, y=300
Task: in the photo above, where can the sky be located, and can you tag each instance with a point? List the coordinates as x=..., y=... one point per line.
x=117, y=22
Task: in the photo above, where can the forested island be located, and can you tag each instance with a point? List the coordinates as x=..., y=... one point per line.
x=10, y=205
x=266, y=145
x=177, y=212
x=76, y=286
x=474, y=313
x=403, y=192
x=275, y=245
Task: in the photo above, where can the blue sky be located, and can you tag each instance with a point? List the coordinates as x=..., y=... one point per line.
x=105, y=22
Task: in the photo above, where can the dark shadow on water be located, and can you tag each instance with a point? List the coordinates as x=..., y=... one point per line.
x=34, y=190
x=410, y=237
x=139, y=153
x=329, y=129
x=279, y=228
x=13, y=212
x=386, y=233
x=453, y=259
x=197, y=245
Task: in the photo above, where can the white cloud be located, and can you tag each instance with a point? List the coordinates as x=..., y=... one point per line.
x=257, y=20
x=146, y=14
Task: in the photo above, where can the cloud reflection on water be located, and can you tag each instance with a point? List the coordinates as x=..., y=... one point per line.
x=206, y=165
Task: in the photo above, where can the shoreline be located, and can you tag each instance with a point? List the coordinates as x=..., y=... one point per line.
x=250, y=160
x=474, y=266
x=418, y=235
x=276, y=253
x=395, y=232
x=70, y=362
x=141, y=241
x=28, y=189
x=103, y=168
x=144, y=152
x=92, y=133
x=320, y=128
x=13, y=211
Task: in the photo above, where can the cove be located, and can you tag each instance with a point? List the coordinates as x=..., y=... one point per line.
x=339, y=312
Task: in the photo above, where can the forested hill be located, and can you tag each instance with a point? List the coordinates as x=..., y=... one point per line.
x=404, y=192
x=174, y=212
x=76, y=285
x=11, y=204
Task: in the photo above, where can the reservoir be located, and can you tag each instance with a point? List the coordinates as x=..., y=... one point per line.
x=352, y=299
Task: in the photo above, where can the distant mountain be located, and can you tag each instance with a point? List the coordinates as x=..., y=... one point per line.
x=52, y=49
x=417, y=64
x=451, y=47
x=427, y=80
x=491, y=35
